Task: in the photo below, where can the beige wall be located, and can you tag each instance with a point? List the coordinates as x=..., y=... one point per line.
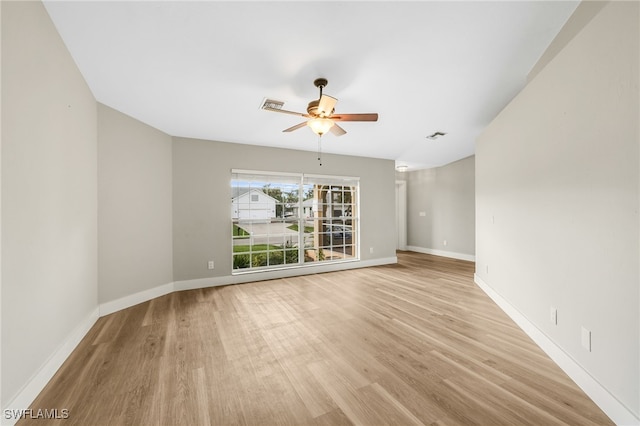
x=135, y=215
x=447, y=197
x=557, y=178
x=49, y=201
x=202, y=196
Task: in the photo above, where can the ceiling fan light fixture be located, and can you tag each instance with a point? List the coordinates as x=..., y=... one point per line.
x=320, y=126
x=319, y=113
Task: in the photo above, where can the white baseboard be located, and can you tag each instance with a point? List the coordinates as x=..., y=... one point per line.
x=39, y=380
x=443, y=253
x=613, y=408
x=134, y=299
x=146, y=295
x=281, y=273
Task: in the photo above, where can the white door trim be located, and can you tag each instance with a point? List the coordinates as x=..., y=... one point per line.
x=401, y=214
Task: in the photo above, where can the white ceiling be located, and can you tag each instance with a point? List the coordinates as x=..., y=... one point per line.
x=202, y=69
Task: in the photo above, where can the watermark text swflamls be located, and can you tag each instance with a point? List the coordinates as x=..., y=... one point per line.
x=36, y=414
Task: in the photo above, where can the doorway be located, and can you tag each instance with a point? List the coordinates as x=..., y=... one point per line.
x=401, y=215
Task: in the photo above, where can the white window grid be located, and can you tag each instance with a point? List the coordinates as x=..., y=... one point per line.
x=316, y=221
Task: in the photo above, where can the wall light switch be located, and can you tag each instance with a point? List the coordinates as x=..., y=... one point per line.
x=553, y=316
x=423, y=214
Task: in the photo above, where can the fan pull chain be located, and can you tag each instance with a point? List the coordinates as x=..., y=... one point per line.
x=319, y=150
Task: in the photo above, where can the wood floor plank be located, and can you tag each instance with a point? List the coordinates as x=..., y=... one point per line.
x=412, y=343
x=332, y=418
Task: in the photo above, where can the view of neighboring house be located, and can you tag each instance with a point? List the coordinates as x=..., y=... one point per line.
x=309, y=209
x=254, y=204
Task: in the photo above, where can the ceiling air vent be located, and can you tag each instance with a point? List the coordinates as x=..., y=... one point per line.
x=271, y=104
x=436, y=135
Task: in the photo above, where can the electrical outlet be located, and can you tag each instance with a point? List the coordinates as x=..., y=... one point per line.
x=371, y=250
x=586, y=339
x=444, y=242
x=553, y=316
x=211, y=265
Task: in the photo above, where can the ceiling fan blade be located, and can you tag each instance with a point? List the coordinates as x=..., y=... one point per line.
x=286, y=111
x=296, y=127
x=326, y=105
x=355, y=117
x=337, y=130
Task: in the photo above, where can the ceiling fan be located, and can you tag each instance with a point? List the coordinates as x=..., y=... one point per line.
x=320, y=113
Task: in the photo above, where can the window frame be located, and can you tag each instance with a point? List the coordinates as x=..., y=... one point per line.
x=347, y=251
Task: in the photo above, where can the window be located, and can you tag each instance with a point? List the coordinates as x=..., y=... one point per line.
x=282, y=220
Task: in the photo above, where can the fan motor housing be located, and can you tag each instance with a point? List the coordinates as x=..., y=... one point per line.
x=312, y=108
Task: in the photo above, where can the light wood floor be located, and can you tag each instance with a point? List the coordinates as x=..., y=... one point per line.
x=412, y=343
